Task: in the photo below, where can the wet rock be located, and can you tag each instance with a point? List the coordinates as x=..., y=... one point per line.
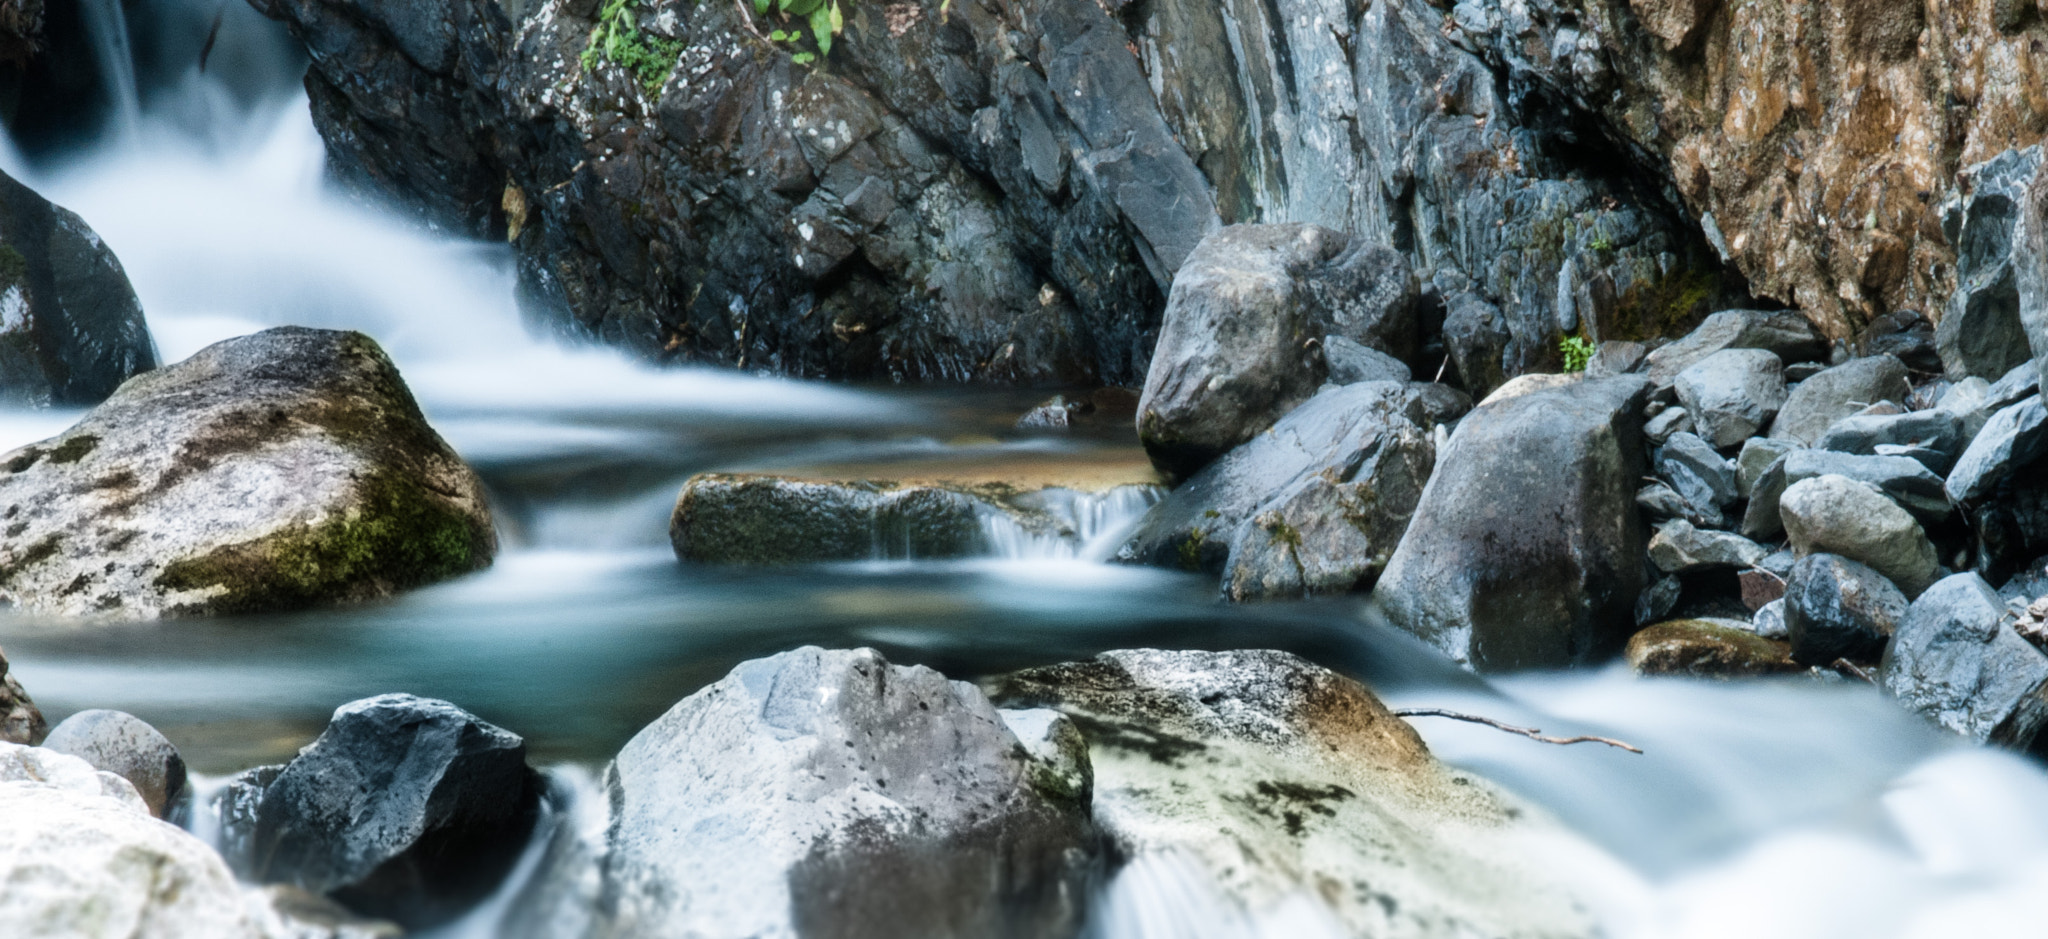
x=1981, y=333
x=1909, y=483
x=406, y=808
x=71, y=330
x=1526, y=549
x=1783, y=333
x=1933, y=429
x=1055, y=414
x=125, y=745
x=1733, y=394
x=2012, y=439
x=1758, y=453
x=275, y=471
x=829, y=792
x=1679, y=548
x=1769, y=621
x=1699, y=474
x=1839, y=515
x=20, y=720
x=1332, y=532
x=1837, y=393
x=1836, y=608
x=1334, y=435
x=1351, y=362
x=1239, y=346
x=1268, y=772
x=1704, y=648
x=1957, y=660
x=1659, y=598
x=87, y=860
x=236, y=805
x=1668, y=422
x=1763, y=518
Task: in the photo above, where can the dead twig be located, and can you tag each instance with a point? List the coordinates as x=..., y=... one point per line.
x=1848, y=669
x=1529, y=732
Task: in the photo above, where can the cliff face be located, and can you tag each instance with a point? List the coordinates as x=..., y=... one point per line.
x=1001, y=190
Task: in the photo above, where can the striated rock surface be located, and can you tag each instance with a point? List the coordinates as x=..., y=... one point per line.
x=274, y=471
x=830, y=793
x=1267, y=774
x=71, y=330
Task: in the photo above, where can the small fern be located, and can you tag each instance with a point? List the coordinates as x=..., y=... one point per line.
x=618, y=39
x=1578, y=351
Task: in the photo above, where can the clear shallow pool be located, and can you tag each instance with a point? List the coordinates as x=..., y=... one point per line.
x=1784, y=808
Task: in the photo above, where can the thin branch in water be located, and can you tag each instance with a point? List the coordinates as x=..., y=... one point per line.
x=1848, y=669
x=1529, y=732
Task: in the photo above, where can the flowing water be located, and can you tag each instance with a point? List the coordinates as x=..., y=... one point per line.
x=1779, y=808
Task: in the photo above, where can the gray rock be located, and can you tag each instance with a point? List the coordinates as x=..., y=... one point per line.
x=831, y=790
x=1351, y=362
x=1852, y=518
x=1661, y=502
x=1909, y=483
x=2023, y=382
x=1780, y=562
x=1966, y=401
x=1981, y=334
x=405, y=808
x=275, y=471
x=1758, y=453
x=1335, y=433
x=1667, y=422
x=20, y=720
x=1526, y=549
x=1933, y=429
x=125, y=745
x=1784, y=333
x=1763, y=519
x=71, y=330
x=1936, y=461
x=1055, y=414
x=1659, y=598
x=1957, y=660
x=1733, y=394
x=1476, y=336
x=2011, y=440
x=1702, y=476
x=1238, y=347
x=1837, y=393
x=1265, y=772
x=1616, y=357
x=2030, y=268
x=1332, y=533
x=1836, y=608
x=1679, y=548
x=1769, y=621
x=1796, y=372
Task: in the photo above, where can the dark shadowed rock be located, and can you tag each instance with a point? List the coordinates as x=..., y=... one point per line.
x=1241, y=342
x=1700, y=648
x=2013, y=438
x=1784, y=333
x=1733, y=394
x=125, y=745
x=1837, y=393
x=1836, y=608
x=829, y=793
x=1267, y=772
x=1703, y=477
x=1332, y=532
x=1526, y=549
x=1763, y=518
x=1337, y=433
x=1476, y=337
x=1957, y=660
x=279, y=470
x=20, y=720
x=1852, y=518
x=406, y=808
x=1905, y=335
x=71, y=330
x=1981, y=334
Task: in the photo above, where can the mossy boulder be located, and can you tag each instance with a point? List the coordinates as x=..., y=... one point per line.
x=282, y=470
x=71, y=329
x=1702, y=648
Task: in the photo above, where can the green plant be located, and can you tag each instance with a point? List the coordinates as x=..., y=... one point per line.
x=1578, y=351
x=822, y=16
x=618, y=39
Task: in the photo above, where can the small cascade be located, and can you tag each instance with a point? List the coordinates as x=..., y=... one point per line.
x=1167, y=895
x=107, y=24
x=553, y=889
x=1076, y=525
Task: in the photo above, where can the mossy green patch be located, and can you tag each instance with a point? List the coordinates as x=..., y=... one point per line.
x=1191, y=552
x=1662, y=308
x=618, y=39
x=31, y=556
x=75, y=449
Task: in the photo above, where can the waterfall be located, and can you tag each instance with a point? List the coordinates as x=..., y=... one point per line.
x=107, y=25
x=1085, y=526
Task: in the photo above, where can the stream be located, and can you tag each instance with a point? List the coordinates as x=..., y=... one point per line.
x=1763, y=808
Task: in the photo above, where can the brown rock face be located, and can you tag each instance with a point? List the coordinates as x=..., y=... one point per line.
x=1816, y=137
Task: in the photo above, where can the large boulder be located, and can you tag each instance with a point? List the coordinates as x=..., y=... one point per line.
x=71, y=330
x=1242, y=341
x=1733, y=394
x=279, y=470
x=83, y=858
x=405, y=808
x=1526, y=549
x=1852, y=518
x=831, y=793
x=1956, y=659
x=1836, y=393
x=1332, y=533
x=1277, y=779
x=20, y=720
x=123, y=744
x=2014, y=438
x=1981, y=333
x=1348, y=436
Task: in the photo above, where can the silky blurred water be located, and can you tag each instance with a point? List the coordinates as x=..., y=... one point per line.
x=1790, y=808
